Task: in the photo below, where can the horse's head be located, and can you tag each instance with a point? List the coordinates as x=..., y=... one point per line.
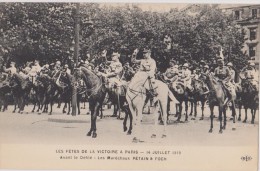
x=77, y=73
x=13, y=80
x=247, y=86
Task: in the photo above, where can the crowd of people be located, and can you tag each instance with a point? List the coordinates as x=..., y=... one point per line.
x=114, y=72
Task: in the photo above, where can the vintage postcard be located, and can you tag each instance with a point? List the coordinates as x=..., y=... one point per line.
x=129, y=86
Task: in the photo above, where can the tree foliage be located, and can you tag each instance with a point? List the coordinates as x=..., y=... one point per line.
x=45, y=31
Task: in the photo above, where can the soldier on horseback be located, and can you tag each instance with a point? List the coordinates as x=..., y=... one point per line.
x=148, y=66
x=171, y=73
x=186, y=77
x=250, y=74
x=115, y=69
x=224, y=75
x=12, y=69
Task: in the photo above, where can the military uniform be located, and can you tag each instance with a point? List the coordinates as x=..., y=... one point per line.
x=172, y=73
x=186, y=77
x=224, y=75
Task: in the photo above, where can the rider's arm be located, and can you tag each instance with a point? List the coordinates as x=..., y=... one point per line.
x=228, y=75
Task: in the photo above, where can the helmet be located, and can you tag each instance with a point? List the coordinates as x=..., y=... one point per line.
x=66, y=66
x=147, y=51
x=116, y=55
x=252, y=64
x=185, y=65
x=206, y=66
x=229, y=64
x=58, y=62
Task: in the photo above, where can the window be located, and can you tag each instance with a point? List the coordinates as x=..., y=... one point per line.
x=252, y=50
x=252, y=32
x=237, y=15
x=254, y=13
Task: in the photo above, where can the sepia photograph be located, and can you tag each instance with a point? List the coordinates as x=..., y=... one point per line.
x=130, y=86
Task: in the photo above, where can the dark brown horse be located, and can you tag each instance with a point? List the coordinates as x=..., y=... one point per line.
x=249, y=99
x=96, y=92
x=21, y=88
x=199, y=95
x=217, y=96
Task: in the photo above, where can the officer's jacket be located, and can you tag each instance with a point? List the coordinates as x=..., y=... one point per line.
x=222, y=73
x=171, y=72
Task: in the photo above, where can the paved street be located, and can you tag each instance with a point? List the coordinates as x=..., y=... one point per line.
x=65, y=129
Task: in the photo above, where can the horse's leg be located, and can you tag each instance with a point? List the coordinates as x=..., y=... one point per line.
x=180, y=111
x=253, y=115
x=233, y=107
x=239, y=111
x=202, y=109
x=96, y=110
x=51, y=103
x=225, y=117
x=245, y=115
x=195, y=109
x=192, y=103
x=78, y=103
x=220, y=110
x=125, y=119
x=91, y=108
x=186, y=110
x=34, y=105
x=64, y=107
x=211, y=117
x=69, y=107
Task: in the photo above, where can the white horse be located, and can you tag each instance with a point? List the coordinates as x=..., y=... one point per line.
x=136, y=95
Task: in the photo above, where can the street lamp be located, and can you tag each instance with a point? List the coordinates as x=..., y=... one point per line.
x=76, y=54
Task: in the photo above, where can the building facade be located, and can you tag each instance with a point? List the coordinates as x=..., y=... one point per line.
x=248, y=16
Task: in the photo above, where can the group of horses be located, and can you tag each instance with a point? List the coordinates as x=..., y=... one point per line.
x=45, y=89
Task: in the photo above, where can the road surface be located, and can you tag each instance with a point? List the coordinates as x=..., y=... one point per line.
x=64, y=129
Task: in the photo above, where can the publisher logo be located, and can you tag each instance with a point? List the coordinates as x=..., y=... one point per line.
x=246, y=158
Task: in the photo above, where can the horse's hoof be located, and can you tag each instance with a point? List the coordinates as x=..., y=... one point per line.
x=163, y=136
x=186, y=120
x=27, y=112
x=193, y=118
x=135, y=140
x=39, y=113
x=220, y=131
x=161, y=123
x=79, y=113
x=190, y=114
x=239, y=119
x=233, y=129
x=231, y=119
x=129, y=132
x=87, y=113
x=175, y=116
x=244, y=121
x=118, y=117
x=13, y=111
x=94, y=135
x=252, y=122
x=223, y=127
x=32, y=111
x=125, y=129
x=210, y=131
x=49, y=113
x=113, y=116
x=89, y=134
x=153, y=136
x=201, y=118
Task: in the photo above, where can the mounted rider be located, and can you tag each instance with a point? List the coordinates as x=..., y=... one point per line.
x=186, y=77
x=114, y=72
x=148, y=66
x=172, y=72
x=251, y=74
x=36, y=68
x=224, y=76
x=12, y=69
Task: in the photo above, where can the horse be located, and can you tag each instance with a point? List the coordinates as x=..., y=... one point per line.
x=21, y=88
x=249, y=98
x=96, y=92
x=51, y=91
x=136, y=95
x=66, y=82
x=199, y=95
x=182, y=95
x=217, y=96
